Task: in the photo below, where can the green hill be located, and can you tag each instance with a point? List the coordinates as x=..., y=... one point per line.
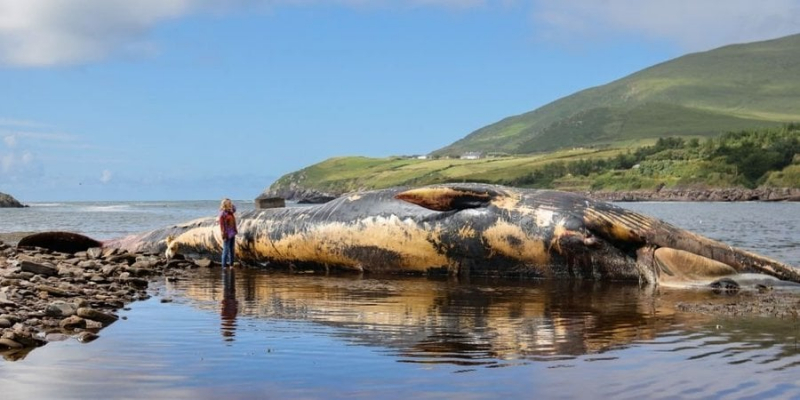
x=759, y=158
x=669, y=125
x=732, y=88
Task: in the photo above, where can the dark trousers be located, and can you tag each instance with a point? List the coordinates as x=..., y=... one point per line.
x=228, y=246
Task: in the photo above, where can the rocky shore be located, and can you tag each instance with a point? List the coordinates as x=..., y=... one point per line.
x=8, y=201
x=724, y=194
x=50, y=296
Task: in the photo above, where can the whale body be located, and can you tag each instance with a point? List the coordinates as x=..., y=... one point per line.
x=472, y=229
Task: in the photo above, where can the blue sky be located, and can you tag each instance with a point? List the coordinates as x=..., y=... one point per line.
x=203, y=99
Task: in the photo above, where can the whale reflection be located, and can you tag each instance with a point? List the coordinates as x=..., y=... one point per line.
x=477, y=322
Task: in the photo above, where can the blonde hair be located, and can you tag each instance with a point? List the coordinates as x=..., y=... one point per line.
x=226, y=205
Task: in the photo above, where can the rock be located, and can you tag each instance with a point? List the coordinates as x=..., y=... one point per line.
x=203, y=263
x=55, y=337
x=65, y=269
x=109, y=269
x=23, y=335
x=140, y=271
x=9, y=344
x=7, y=201
x=72, y=322
x=40, y=269
x=86, y=337
x=125, y=258
x=4, y=301
x=26, y=276
x=4, y=323
x=135, y=282
x=88, y=264
x=142, y=264
x=81, y=303
x=89, y=313
x=60, y=309
x=176, y=263
x=10, y=317
x=54, y=291
x=94, y=252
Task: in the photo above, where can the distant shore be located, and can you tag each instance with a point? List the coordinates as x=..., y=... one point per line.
x=311, y=196
x=691, y=195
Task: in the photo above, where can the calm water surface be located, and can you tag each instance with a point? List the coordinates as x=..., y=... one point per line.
x=268, y=334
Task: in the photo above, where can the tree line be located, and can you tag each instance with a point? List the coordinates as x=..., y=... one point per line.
x=751, y=155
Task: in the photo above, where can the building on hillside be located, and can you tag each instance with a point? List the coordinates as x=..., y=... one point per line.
x=471, y=155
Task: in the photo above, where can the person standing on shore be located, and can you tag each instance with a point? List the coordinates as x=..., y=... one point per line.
x=227, y=224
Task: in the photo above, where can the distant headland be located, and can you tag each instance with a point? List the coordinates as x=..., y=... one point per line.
x=8, y=201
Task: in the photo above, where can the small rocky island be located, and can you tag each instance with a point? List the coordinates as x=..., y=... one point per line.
x=8, y=201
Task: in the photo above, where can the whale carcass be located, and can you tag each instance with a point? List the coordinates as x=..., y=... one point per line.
x=471, y=229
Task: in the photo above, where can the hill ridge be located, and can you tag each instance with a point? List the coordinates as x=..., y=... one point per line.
x=745, y=85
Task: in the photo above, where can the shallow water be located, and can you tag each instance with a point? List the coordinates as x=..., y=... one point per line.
x=106, y=219
x=267, y=334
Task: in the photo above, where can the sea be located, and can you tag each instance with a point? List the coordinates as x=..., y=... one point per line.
x=267, y=334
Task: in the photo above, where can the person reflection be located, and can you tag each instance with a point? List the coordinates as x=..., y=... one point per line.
x=230, y=306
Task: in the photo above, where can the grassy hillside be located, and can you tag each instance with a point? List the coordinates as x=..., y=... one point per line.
x=732, y=88
x=346, y=174
x=765, y=157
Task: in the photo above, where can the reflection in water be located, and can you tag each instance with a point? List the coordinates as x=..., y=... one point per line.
x=230, y=305
x=326, y=337
x=424, y=320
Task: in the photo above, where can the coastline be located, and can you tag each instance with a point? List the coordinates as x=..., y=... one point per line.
x=699, y=195
x=53, y=296
x=733, y=194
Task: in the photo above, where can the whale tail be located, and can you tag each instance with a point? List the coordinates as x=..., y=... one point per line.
x=678, y=252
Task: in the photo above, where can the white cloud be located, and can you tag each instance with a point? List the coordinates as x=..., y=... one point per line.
x=28, y=145
x=106, y=176
x=6, y=162
x=10, y=141
x=16, y=123
x=27, y=158
x=692, y=24
x=63, y=32
x=13, y=165
x=49, y=32
x=41, y=136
